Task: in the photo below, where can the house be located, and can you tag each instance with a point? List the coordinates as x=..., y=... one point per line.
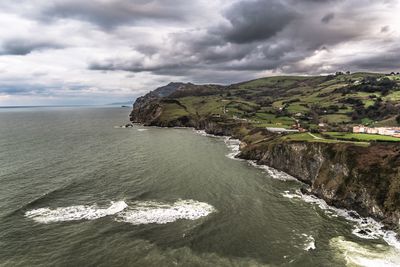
x=389, y=131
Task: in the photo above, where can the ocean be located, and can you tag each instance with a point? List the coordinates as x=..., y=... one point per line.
x=77, y=190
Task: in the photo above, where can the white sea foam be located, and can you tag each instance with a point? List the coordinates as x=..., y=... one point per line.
x=366, y=228
x=161, y=213
x=372, y=255
x=309, y=242
x=142, y=130
x=273, y=172
x=143, y=212
x=287, y=194
x=234, y=146
x=74, y=213
x=203, y=133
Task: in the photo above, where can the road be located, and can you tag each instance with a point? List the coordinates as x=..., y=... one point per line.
x=315, y=137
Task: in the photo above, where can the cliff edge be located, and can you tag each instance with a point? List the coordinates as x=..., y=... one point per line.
x=364, y=178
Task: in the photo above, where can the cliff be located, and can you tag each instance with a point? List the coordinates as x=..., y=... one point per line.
x=345, y=175
x=365, y=179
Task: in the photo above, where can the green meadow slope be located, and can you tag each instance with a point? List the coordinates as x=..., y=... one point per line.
x=338, y=101
x=353, y=171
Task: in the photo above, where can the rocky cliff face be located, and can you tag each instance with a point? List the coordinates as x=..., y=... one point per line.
x=365, y=179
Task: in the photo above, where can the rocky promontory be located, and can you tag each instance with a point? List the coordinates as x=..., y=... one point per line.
x=346, y=175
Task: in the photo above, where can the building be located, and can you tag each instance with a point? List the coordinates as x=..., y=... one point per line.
x=390, y=131
x=281, y=130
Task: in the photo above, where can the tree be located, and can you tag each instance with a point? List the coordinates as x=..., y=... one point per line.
x=398, y=119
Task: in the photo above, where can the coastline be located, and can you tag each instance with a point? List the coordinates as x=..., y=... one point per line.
x=345, y=175
x=366, y=226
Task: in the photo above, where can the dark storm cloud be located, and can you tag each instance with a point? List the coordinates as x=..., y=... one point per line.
x=328, y=17
x=257, y=20
x=261, y=35
x=22, y=47
x=173, y=69
x=113, y=13
x=380, y=61
x=249, y=42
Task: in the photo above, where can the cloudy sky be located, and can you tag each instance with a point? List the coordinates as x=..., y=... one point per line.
x=102, y=51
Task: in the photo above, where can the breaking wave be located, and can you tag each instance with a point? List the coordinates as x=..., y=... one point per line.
x=234, y=146
x=355, y=254
x=309, y=242
x=161, y=213
x=273, y=172
x=144, y=212
x=366, y=228
x=74, y=213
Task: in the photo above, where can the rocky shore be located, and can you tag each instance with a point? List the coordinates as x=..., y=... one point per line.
x=361, y=178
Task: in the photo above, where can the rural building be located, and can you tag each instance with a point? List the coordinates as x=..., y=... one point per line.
x=390, y=131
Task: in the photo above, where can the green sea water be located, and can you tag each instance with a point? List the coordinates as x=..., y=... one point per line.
x=77, y=191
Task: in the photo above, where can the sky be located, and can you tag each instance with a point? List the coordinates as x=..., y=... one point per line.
x=56, y=52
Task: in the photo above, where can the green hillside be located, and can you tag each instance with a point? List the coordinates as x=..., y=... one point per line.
x=334, y=102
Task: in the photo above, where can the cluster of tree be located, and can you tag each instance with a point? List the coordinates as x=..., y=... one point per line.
x=398, y=119
x=342, y=73
x=319, y=110
x=197, y=90
x=378, y=111
x=264, y=102
x=370, y=85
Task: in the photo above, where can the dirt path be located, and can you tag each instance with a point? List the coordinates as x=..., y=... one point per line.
x=316, y=137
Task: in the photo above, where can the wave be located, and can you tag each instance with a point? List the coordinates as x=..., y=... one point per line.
x=143, y=212
x=41, y=198
x=364, y=227
x=279, y=175
x=162, y=213
x=74, y=213
x=142, y=130
x=203, y=133
x=309, y=242
x=234, y=146
x=358, y=255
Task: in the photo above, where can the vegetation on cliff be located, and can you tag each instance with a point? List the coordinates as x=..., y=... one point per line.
x=337, y=101
x=347, y=170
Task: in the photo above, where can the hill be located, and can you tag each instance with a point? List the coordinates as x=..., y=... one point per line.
x=353, y=171
x=334, y=101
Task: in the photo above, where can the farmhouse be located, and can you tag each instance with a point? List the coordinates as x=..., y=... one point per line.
x=390, y=131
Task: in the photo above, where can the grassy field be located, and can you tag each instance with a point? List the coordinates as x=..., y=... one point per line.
x=318, y=138
x=276, y=101
x=362, y=137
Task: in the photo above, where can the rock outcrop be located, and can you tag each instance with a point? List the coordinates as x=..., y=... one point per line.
x=361, y=178
x=365, y=179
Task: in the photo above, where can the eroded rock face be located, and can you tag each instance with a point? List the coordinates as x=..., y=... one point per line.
x=365, y=179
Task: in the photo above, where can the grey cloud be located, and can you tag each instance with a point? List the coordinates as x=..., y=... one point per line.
x=257, y=35
x=385, y=29
x=172, y=69
x=22, y=47
x=328, y=17
x=257, y=20
x=108, y=14
x=380, y=61
x=24, y=88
